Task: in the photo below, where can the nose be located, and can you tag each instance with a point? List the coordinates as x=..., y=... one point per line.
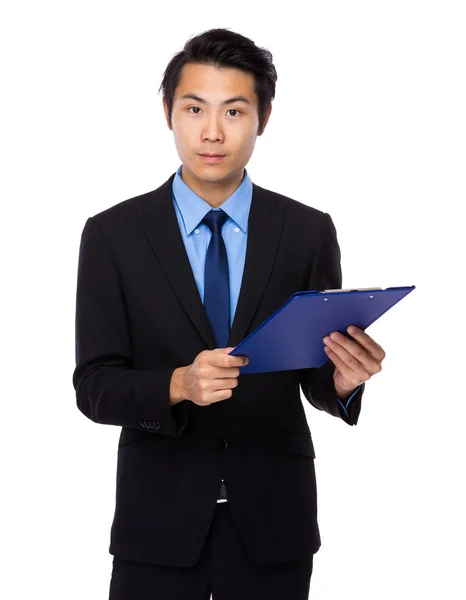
x=212, y=131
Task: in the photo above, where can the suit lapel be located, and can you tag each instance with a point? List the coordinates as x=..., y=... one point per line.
x=158, y=218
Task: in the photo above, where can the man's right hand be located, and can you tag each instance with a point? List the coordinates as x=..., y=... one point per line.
x=210, y=378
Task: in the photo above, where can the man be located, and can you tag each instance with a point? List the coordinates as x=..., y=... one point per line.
x=215, y=483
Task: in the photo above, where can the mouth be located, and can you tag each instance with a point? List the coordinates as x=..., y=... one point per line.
x=212, y=158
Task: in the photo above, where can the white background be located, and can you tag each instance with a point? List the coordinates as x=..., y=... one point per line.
x=368, y=125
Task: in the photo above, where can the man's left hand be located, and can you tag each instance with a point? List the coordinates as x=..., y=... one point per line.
x=355, y=360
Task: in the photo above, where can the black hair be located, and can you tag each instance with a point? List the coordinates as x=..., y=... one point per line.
x=224, y=48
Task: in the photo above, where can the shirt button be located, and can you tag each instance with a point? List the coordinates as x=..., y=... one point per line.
x=196, y=231
x=222, y=445
x=236, y=229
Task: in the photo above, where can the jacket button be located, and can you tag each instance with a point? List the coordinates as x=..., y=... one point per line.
x=157, y=425
x=222, y=445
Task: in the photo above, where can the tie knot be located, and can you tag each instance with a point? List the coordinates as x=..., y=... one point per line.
x=215, y=220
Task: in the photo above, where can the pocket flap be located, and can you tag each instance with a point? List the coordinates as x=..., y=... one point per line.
x=290, y=442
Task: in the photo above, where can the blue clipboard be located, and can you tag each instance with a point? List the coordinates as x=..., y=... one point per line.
x=291, y=338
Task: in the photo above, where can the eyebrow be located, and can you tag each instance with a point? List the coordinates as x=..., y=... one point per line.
x=229, y=101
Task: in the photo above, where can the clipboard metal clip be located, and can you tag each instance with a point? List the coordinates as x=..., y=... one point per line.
x=350, y=290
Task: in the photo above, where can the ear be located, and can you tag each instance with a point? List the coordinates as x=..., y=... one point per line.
x=167, y=116
x=269, y=110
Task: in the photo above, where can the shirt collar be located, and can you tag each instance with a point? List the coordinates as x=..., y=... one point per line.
x=193, y=208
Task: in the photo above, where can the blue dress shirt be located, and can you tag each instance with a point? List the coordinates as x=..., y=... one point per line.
x=191, y=209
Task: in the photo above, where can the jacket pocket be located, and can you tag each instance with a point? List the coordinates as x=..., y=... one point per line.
x=130, y=435
x=287, y=442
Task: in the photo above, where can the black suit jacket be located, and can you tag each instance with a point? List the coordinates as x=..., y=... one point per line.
x=139, y=316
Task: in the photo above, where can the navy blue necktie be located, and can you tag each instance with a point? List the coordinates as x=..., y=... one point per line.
x=216, y=280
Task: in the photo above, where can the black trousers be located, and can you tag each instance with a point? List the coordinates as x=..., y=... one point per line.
x=224, y=571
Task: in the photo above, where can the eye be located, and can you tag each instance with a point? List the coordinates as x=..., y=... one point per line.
x=231, y=109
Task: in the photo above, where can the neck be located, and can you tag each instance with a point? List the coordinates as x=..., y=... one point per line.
x=213, y=192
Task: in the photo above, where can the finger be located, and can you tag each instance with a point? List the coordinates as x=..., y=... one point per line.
x=212, y=372
x=349, y=354
x=226, y=361
x=346, y=371
x=221, y=372
x=219, y=395
x=367, y=342
x=223, y=384
x=233, y=360
x=238, y=361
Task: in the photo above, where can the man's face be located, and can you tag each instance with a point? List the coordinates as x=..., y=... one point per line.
x=212, y=125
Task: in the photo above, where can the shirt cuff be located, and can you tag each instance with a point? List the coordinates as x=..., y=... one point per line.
x=345, y=407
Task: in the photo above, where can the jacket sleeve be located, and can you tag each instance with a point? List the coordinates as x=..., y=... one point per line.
x=317, y=383
x=107, y=389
